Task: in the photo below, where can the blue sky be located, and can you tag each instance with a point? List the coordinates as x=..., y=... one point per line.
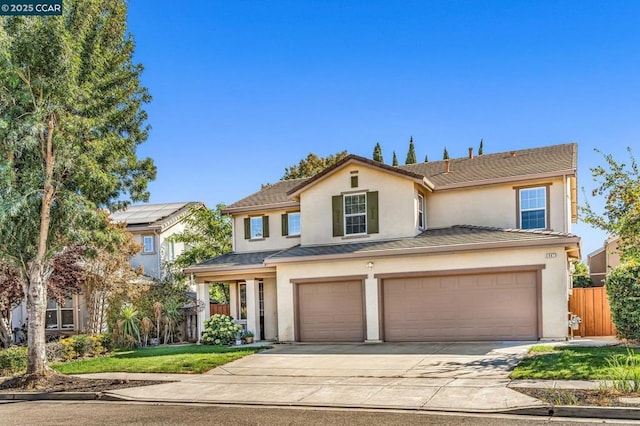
x=243, y=89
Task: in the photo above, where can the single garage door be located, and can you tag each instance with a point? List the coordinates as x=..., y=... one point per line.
x=330, y=312
x=497, y=306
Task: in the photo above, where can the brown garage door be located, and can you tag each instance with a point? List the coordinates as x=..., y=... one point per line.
x=330, y=312
x=499, y=306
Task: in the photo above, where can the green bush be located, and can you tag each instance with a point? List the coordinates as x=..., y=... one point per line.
x=55, y=351
x=220, y=330
x=623, y=289
x=13, y=360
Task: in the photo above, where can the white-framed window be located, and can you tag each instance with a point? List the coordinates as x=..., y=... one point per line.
x=59, y=316
x=533, y=208
x=294, y=223
x=172, y=251
x=256, y=227
x=242, y=301
x=355, y=214
x=422, y=223
x=147, y=244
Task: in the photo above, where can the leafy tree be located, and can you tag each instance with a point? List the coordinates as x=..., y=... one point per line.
x=620, y=186
x=445, y=155
x=581, y=276
x=426, y=158
x=623, y=289
x=394, y=162
x=71, y=120
x=312, y=165
x=377, y=153
x=481, y=147
x=411, y=154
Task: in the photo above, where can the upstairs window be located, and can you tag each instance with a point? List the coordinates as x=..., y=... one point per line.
x=147, y=242
x=291, y=224
x=422, y=223
x=533, y=208
x=256, y=227
x=355, y=214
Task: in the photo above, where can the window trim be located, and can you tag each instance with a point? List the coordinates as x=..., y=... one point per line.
x=294, y=234
x=251, y=233
x=144, y=245
x=422, y=218
x=547, y=208
x=345, y=214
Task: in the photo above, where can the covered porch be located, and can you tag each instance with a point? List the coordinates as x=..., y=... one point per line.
x=252, y=291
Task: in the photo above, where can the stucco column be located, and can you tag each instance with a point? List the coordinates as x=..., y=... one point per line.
x=233, y=301
x=253, y=308
x=202, y=293
x=372, y=310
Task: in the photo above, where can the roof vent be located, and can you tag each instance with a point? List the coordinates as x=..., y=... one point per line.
x=446, y=166
x=470, y=152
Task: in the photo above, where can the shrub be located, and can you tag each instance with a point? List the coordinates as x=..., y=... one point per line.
x=13, y=360
x=55, y=351
x=625, y=372
x=220, y=330
x=623, y=289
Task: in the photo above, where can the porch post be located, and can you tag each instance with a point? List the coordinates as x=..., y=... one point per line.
x=253, y=313
x=202, y=293
x=372, y=310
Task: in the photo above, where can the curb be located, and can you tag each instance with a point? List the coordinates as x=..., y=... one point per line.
x=621, y=413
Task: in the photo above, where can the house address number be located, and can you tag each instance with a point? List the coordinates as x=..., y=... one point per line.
x=550, y=255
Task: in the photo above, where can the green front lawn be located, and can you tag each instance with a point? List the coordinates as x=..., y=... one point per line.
x=570, y=363
x=163, y=359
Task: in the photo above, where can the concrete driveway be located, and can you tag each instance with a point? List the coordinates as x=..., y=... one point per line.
x=475, y=360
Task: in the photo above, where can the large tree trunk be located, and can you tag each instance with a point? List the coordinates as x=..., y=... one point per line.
x=97, y=312
x=36, y=311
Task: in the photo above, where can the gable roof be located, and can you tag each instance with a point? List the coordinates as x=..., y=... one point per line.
x=513, y=166
x=142, y=216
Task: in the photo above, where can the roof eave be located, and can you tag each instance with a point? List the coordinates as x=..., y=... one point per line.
x=552, y=241
x=225, y=268
x=263, y=207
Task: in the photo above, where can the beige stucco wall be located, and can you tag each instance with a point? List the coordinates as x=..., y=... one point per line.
x=493, y=205
x=275, y=241
x=396, y=204
x=554, y=279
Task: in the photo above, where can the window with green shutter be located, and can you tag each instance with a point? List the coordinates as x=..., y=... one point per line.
x=355, y=214
x=256, y=227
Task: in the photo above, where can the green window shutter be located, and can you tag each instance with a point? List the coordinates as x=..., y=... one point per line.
x=285, y=225
x=338, y=215
x=265, y=226
x=247, y=228
x=372, y=212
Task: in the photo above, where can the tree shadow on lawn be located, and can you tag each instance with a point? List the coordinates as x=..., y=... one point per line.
x=182, y=350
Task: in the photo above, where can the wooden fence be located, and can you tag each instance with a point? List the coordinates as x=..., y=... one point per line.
x=220, y=309
x=592, y=306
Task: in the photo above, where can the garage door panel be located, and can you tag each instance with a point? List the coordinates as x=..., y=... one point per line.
x=330, y=312
x=501, y=306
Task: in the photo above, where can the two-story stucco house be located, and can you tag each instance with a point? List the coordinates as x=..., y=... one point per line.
x=475, y=248
x=151, y=225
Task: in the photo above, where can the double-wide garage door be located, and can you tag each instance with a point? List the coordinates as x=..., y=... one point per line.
x=498, y=306
x=331, y=312
x=491, y=306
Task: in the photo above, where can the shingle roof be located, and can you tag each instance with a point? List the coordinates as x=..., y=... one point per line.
x=239, y=259
x=462, y=171
x=269, y=195
x=547, y=159
x=148, y=214
x=455, y=237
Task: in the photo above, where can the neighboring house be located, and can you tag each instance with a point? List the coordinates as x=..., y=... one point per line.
x=475, y=248
x=604, y=259
x=151, y=225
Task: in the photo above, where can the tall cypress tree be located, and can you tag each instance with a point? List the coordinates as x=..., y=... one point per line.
x=480, y=148
x=426, y=158
x=377, y=153
x=445, y=155
x=395, y=159
x=411, y=155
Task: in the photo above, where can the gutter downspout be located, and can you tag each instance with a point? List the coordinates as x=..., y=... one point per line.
x=566, y=218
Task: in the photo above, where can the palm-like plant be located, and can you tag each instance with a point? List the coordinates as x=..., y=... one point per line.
x=129, y=324
x=146, y=325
